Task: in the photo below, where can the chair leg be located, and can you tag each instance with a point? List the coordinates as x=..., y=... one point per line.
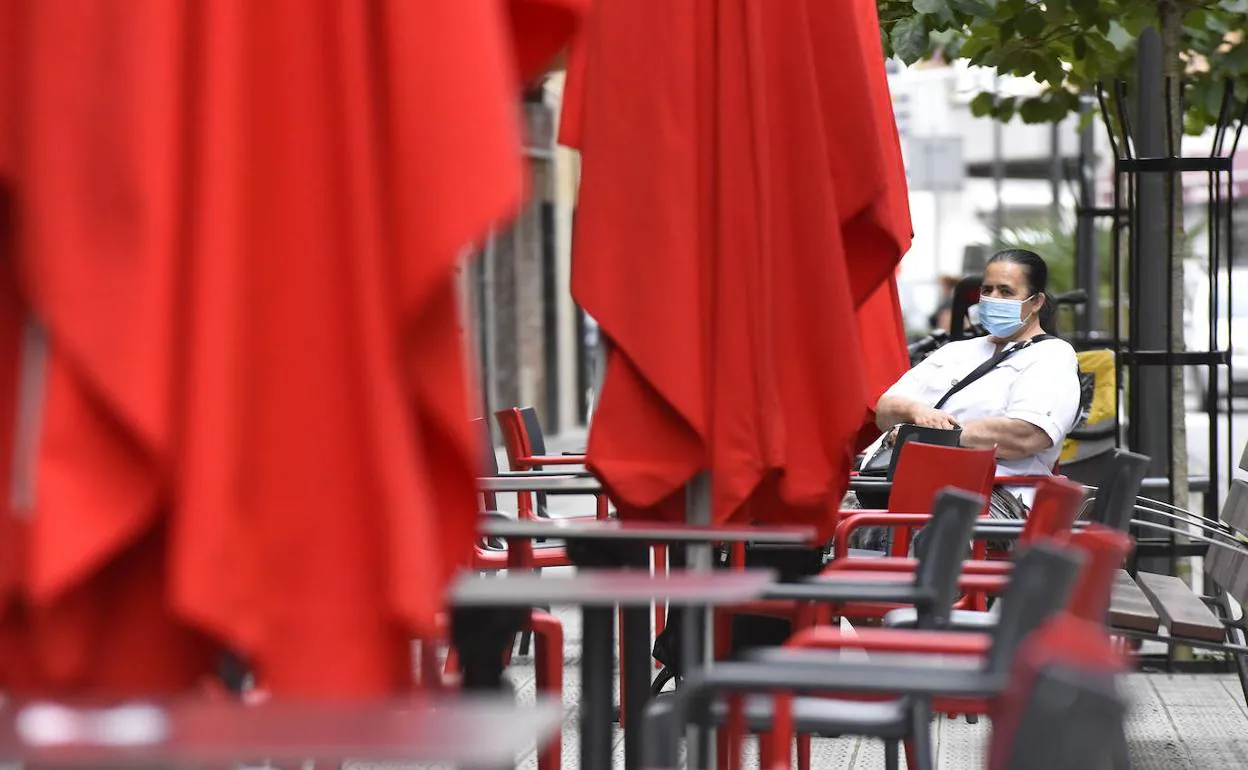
x=725, y=739
x=919, y=747
x=548, y=671
x=619, y=650
x=659, y=556
x=803, y=751
x=766, y=744
x=892, y=756
x=429, y=678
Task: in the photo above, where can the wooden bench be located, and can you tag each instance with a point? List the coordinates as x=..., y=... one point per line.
x=1142, y=605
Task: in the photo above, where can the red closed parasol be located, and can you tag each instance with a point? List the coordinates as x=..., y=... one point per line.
x=239, y=224
x=882, y=338
x=724, y=177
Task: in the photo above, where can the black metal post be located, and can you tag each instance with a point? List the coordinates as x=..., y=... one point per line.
x=1055, y=175
x=1087, y=260
x=1150, y=267
x=636, y=667
x=998, y=179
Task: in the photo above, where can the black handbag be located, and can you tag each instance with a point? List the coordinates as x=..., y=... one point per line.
x=884, y=461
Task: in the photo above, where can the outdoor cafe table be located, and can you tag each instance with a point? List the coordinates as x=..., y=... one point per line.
x=598, y=592
x=636, y=620
x=464, y=731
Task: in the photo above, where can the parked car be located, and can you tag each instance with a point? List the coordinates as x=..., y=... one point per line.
x=1231, y=329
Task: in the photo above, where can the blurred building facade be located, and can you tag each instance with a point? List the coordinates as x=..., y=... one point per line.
x=531, y=345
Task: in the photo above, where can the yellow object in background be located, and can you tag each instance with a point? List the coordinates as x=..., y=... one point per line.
x=1102, y=413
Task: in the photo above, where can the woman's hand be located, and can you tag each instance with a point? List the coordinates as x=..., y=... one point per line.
x=892, y=411
x=926, y=417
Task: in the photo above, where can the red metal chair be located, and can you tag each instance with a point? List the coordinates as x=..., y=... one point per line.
x=922, y=471
x=489, y=556
x=548, y=671
x=525, y=444
x=1061, y=708
x=1053, y=513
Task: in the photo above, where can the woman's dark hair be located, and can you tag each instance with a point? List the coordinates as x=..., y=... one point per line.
x=1036, y=273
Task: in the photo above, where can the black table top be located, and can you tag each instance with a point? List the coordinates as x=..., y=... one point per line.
x=611, y=587
x=658, y=531
x=424, y=729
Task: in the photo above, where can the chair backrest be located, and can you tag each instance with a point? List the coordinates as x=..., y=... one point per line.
x=953, y=520
x=1114, y=504
x=1054, y=510
x=515, y=437
x=965, y=294
x=1104, y=549
x=925, y=469
x=533, y=430
x=1061, y=708
x=1235, y=509
x=487, y=461
x=1227, y=564
x=1040, y=585
x=518, y=441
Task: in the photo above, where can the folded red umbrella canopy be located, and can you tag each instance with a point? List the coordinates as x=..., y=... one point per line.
x=882, y=340
x=723, y=175
x=236, y=227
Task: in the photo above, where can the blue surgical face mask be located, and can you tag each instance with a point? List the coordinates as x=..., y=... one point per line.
x=1002, y=317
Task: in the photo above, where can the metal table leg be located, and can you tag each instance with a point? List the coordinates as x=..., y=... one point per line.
x=597, y=696
x=636, y=667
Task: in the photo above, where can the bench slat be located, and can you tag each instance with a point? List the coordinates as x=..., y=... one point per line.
x=1183, y=611
x=1130, y=608
x=1235, y=509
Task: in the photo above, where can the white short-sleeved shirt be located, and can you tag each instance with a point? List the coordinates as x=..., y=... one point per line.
x=1038, y=384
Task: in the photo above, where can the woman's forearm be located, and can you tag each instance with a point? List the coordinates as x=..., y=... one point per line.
x=894, y=410
x=1013, y=439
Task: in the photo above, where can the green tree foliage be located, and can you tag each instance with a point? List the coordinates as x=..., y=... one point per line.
x=1069, y=45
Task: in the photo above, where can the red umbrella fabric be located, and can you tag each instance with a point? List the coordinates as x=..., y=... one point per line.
x=882, y=339
x=709, y=247
x=239, y=224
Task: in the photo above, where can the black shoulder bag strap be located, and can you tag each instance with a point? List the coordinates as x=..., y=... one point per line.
x=989, y=365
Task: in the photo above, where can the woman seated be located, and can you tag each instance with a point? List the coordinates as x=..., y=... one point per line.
x=1024, y=406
